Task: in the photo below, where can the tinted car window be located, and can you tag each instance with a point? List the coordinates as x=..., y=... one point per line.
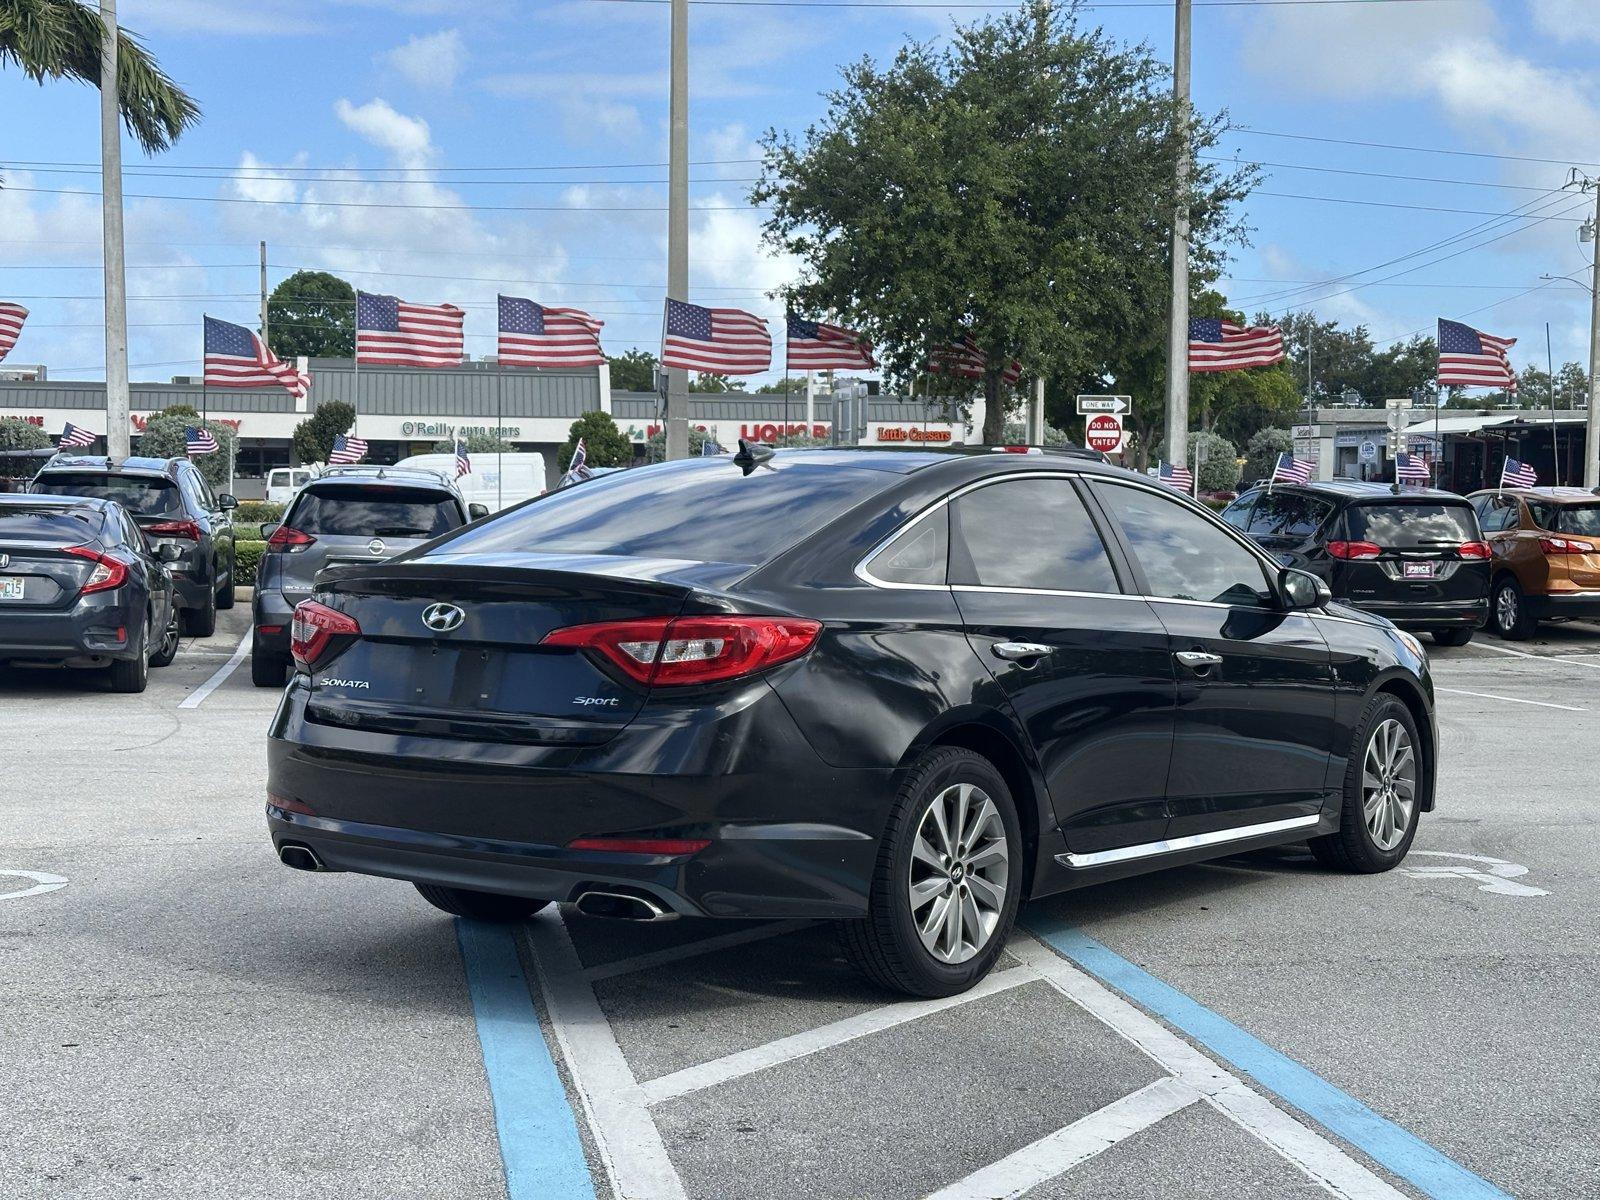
x=1398, y=526
x=1285, y=514
x=22, y=524
x=360, y=510
x=1237, y=514
x=139, y=495
x=1583, y=519
x=1184, y=556
x=701, y=511
x=918, y=555
x=1028, y=533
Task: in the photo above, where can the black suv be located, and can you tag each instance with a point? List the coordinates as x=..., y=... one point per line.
x=174, y=505
x=1416, y=556
x=354, y=514
x=903, y=689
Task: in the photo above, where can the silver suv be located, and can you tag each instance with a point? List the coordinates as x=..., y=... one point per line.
x=354, y=514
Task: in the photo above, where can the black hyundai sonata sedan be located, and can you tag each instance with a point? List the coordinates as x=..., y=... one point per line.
x=904, y=690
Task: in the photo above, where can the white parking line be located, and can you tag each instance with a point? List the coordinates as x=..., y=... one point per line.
x=658, y=958
x=198, y=696
x=812, y=1041
x=1509, y=699
x=1076, y=1143
x=1535, y=657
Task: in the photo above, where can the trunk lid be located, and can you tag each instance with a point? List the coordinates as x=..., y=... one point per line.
x=1419, y=553
x=38, y=573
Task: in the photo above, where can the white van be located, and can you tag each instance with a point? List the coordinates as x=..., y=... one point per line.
x=284, y=482
x=496, y=480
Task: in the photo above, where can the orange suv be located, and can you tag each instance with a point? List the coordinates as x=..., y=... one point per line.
x=1546, y=556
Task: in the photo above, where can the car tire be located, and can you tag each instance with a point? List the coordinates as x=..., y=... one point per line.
x=480, y=906
x=225, y=593
x=905, y=943
x=201, y=622
x=1452, y=637
x=168, y=650
x=1508, y=610
x=130, y=675
x=1376, y=822
x=266, y=668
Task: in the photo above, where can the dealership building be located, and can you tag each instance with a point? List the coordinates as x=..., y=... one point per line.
x=403, y=411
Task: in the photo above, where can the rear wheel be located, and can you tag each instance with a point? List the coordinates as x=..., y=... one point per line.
x=266, y=668
x=201, y=622
x=1452, y=637
x=479, y=906
x=1508, y=610
x=1383, y=787
x=225, y=593
x=168, y=650
x=131, y=674
x=948, y=880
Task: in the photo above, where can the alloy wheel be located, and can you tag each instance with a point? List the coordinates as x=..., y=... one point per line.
x=960, y=864
x=1505, y=607
x=169, y=639
x=1389, y=784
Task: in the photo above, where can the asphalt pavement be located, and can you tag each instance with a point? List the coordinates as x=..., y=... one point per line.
x=181, y=1016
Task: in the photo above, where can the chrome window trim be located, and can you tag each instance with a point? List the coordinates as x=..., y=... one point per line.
x=1193, y=841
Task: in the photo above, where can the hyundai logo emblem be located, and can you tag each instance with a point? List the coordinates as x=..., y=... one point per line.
x=375, y=545
x=442, y=618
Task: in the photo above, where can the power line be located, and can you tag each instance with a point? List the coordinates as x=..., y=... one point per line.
x=1306, y=137
x=1096, y=4
x=1469, y=212
x=73, y=170
x=566, y=208
x=1247, y=162
x=237, y=167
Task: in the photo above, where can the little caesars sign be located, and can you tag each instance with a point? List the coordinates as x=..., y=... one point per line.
x=441, y=429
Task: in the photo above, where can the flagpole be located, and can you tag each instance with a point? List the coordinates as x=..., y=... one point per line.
x=499, y=432
x=786, y=376
x=355, y=355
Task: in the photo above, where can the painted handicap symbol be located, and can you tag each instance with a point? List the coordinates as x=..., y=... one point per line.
x=1491, y=874
x=42, y=883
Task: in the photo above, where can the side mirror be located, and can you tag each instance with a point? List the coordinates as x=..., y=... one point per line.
x=227, y=501
x=476, y=512
x=268, y=528
x=169, y=552
x=1301, y=589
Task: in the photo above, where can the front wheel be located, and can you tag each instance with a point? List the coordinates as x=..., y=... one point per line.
x=948, y=880
x=1508, y=610
x=1383, y=787
x=480, y=906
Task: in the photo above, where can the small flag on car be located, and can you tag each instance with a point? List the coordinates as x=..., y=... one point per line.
x=199, y=441
x=1180, y=478
x=1292, y=470
x=463, y=463
x=1515, y=474
x=76, y=435
x=1412, y=468
x=347, y=449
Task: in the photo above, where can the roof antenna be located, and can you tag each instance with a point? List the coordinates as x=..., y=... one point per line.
x=751, y=455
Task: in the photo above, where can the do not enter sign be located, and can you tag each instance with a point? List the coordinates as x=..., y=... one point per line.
x=1103, y=432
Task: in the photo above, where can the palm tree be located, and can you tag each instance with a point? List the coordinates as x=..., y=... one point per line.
x=62, y=39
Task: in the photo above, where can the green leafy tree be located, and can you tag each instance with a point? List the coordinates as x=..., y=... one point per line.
x=706, y=382
x=1016, y=434
x=165, y=436
x=655, y=449
x=1572, y=385
x=1261, y=454
x=1013, y=183
x=477, y=443
x=313, y=438
x=62, y=39
x=1220, y=471
x=17, y=434
x=633, y=371
x=312, y=313
x=180, y=410
x=794, y=384
x=603, y=443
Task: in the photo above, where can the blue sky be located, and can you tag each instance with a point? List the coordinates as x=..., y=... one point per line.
x=341, y=94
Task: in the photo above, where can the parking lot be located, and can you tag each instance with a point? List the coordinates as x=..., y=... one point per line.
x=182, y=1016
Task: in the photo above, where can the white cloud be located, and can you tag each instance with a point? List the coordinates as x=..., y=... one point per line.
x=1567, y=20
x=431, y=60
x=589, y=118
x=725, y=250
x=406, y=137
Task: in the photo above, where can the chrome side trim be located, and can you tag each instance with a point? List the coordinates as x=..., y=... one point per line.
x=1193, y=841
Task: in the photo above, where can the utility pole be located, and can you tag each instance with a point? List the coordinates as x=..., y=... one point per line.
x=1591, y=440
x=1178, y=333
x=118, y=441
x=677, y=416
x=263, y=293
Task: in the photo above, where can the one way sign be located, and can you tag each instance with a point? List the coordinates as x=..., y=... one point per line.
x=1104, y=404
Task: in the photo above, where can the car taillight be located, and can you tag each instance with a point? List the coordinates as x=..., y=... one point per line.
x=314, y=628
x=1474, y=550
x=177, y=529
x=108, y=573
x=680, y=651
x=288, y=541
x=1556, y=545
x=1354, y=550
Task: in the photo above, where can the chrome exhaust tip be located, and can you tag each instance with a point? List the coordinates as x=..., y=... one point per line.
x=301, y=858
x=620, y=906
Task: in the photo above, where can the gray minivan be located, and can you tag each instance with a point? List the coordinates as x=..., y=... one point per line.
x=351, y=514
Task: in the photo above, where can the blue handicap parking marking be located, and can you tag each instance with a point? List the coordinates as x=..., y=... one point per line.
x=539, y=1141
x=1397, y=1149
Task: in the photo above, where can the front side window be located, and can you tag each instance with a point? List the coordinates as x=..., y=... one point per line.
x=1184, y=556
x=1028, y=533
x=1237, y=514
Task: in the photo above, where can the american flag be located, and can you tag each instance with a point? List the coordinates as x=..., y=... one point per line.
x=818, y=346
x=1176, y=477
x=236, y=357
x=11, y=318
x=463, y=463
x=1471, y=358
x=394, y=333
x=347, y=449
x=199, y=441
x=1292, y=470
x=1218, y=345
x=964, y=360
x=722, y=341
x=1515, y=474
x=580, y=457
x=76, y=435
x=1412, y=468
x=532, y=335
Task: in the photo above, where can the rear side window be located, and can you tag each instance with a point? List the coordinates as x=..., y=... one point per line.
x=1237, y=514
x=357, y=510
x=1183, y=555
x=919, y=555
x=1288, y=515
x=1028, y=533
x=702, y=511
x=140, y=496
x=1402, y=526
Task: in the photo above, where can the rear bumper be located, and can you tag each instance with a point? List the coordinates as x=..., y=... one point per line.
x=269, y=608
x=1453, y=614
x=1582, y=605
x=85, y=631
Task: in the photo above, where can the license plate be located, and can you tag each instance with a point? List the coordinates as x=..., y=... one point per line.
x=11, y=587
x=1419, y=570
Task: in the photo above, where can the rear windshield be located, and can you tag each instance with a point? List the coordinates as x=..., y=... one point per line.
x=358, y=510
x=21, y=524
x=140, y=496
x=702, y=511
x=1577, y=518
x=1399, y=526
